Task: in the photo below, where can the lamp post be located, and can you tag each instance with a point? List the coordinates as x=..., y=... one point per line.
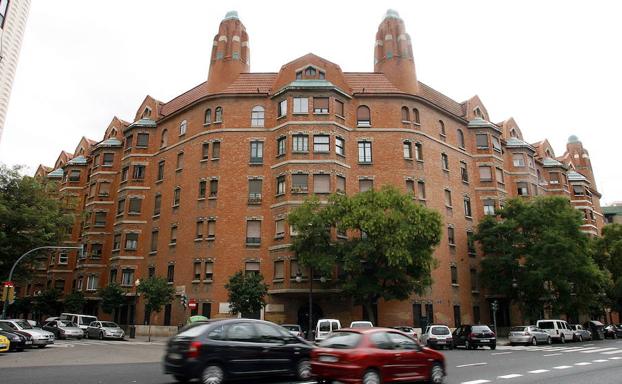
x=298, y=280
x=6, y=302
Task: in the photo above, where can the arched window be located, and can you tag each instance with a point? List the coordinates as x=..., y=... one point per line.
x=310, y=72
x=513, y=133
x=183, y=126
x=208, y=116
x=257, y=116
x=416, y=116
x=218, y=117
x=441, y=128
x=363, y=116
x=405, y=114
x=164, y=139
x=461, y=138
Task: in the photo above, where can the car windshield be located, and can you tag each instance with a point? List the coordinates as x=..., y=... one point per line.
x=440, y=331
x=597, y=323
x=86, y=320
x=193, y=330
x=546, y=325
x=517, y=329
x=341, y=340
x=361, y=325
x=63, y=323
x=23, y=324
x=481, y=328
x=109, y=324
x=325, y=326
x=292, y=327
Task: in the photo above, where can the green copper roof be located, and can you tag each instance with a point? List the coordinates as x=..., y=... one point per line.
x=79, y=160
x=573, y=139
x=145, y=123
x=57, y=173
x=231, y=15
x=548, y=162
x=514, y=142
x=478, y=122
x=112, y=142
x=392, y=14
x=310, y=84
x=613, y=210
x=576, y=176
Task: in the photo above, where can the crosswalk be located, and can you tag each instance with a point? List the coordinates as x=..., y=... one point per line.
x=85, y=343
x=558, y=350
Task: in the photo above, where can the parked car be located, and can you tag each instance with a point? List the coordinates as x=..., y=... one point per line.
x=618, y=329
x=104, y=330
x=40, y=338
x=375, y=355
x=361, y=324
x=294, y=329
x=27, y=337
x=437, y=336
x=34, y=323
x=18, y=342
x=5, y=344
x=596, y=328
x=528, y=334
x=81, y=321
x=410, y=331
x=236, y=349
x=611, y=332
x=557, y=329
x=64, y=329
x=473, y=336
x=324, y=327
x=580, y=333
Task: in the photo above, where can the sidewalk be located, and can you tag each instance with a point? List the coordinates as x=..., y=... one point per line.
x=143, y=339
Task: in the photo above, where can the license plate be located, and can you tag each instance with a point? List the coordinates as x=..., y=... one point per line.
x=3, y=346
x=484, y=341
x=328, y=359
x=441, y=342
x=174, y=356
x=28, y=342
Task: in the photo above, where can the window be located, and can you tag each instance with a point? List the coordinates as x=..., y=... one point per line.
x=131, y=241
x=257, y=116
x=208, y=116
x=410, y=187
x=128, y=141
x=419, y=151
x=282, y=110
x=211, y=229
x=254, y=190
x=176, y=196
x=441, y=129
x=366, y=185
x=251, y=267
x=341, y=184
x=280, y=185
x=467, y=206
x=213, y=188
x=481, y=140
x=197, y=271
x=489, y=207
x=300, y=143
x=416, y=116
x=321, y=183
x=104, y=189
x=205, y=151
x=470, y=243
x=300, y=183
x=474, y=282
x=496, y=144
x=92, y=282
x=4, y=5
x=321, y=143
x=405, y=115
x=113, y=276
x=364, y=152
x=457, y=320
x=160, y=170
x=554, y=176
x=363, y=116
x=216, y=150
x=142, y=140
x=108, y=159
x=295, y=270
x=135, y=205
x=218, y=117
x=460, y=138
x=199, y=229
x=530, y=161
x=151, y=271
x=407, y=150
x=464, y=172
x=170, y=273
x=578, y=190
x=499, y=175
x=154, y=241
x=522, y=189
x=485, y=173
x=120, y=206
x=451, y=239
x=279, y=270
x=421, y=189
x=173, y=234
x=202, y=189
x=164, y=139
x=180, y=161
x=256, y=152
x=280, y=146
x=209, y=270
x=157, y=203
x=74, y=175
x=339, y=110
x=454, y=275
x=340, y=146
x=116, y=241
x=518, y=160
x=139, y=172
x=63, y=258
x=299, y=75
x=320, y=105
x=445, y=162
x=448, y=198
x=253, y=232
x=100, y=219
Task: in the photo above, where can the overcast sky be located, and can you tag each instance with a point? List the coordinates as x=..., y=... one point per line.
x=555, y=66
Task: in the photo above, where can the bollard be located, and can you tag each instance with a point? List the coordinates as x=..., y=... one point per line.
x=132, y=331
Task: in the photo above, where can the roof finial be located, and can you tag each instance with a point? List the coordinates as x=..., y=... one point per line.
x=573, y=139
x=231, y=15
x=392, y=13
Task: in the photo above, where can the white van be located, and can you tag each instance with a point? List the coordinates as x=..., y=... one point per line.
x=81, y=321
x=559, y=330
x=324, y=327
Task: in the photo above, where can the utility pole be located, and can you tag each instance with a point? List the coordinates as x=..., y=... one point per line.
x=495, y=307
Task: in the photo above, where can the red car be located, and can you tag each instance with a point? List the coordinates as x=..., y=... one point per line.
x=373, y=356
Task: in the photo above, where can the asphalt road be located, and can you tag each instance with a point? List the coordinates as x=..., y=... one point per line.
x=134, y=362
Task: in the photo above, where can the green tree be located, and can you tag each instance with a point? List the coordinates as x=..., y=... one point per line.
x=46, y=303
x=29, y=218
x=112, y=298
x=247, y=293
x=157, y=293
x=536, y=256
x=389, y=251
x=608, y=254
x=74, y=302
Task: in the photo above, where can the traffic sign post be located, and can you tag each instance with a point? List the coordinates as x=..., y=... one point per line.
x=192, y=304
x=495, y=307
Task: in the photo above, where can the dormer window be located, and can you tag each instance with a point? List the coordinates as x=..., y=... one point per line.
x=146, y=113
x=299, y=75
x=322, y=75
x=478, y=113
x=310, y=72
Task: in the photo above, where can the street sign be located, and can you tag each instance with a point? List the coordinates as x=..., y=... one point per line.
x=192, y=304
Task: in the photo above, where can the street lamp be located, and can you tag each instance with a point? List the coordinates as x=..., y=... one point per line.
x=298, y=280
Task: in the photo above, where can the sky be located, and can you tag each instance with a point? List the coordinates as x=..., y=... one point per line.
x=555, y=66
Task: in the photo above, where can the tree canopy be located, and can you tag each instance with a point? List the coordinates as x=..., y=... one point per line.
x=608, y=254
x=156, y=292
x=74, y=302
x=247, y=293
x=112, y=297
x=537, y=256
x=384, y=247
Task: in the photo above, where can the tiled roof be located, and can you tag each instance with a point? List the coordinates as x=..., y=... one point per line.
x=252, y=83
x=185, y=99
x=441, y=100
x=366, y=82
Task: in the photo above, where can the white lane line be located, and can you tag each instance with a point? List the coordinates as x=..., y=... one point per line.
x=539, y=371
x=583, y=363
x=470, y=365
x=552, y=354
x=476, y=382
x=502, y=353
x=562, y=367
x=580, y=349
x=588, y=345
x=599, y=361
x=612, y=352
x=615, y=358
x=510, y=376
x=598, y=350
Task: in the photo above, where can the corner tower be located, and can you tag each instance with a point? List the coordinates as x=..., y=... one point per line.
x=230, y=53
x=393, y=54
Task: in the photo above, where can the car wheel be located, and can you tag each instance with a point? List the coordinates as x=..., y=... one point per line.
x=534, y=341
x=86, y=335
x=212, y=374
x=549, y=341
x=615, y=336
x=181, y=378
x=41, y=346
x=303, y=369
x=562, y=339
x=467, y=345
x=101, y=335
x=371, y=377
x=580, y=338
x=436, y=374
x=493, y=347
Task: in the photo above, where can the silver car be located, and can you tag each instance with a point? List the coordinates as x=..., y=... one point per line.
x=104, y=330
x=40, y=338
x=580, y=333
x=64, y=329
x=528, y=334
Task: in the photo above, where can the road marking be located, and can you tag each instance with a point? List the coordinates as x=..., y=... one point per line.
x=583, y=363
x=598, y=350
x=615, y=358
x=470, y=365
x=612, y=352
x=476, y=382
x=539, y=371
x=588, y=345
x=599, y=361
x=500, y=353
x=510, y=376
x=562, y=367
x=579, y=349
x=552, y=354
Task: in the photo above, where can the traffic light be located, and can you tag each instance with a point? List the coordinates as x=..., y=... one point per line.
x=184, y=300
x=8, y=293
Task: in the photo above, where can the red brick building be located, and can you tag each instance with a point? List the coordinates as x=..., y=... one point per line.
x=199, y=187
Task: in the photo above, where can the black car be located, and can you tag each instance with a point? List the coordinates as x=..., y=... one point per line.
x=596, y=328
x=18, y=342
x=473, y=336
x=236, y=348
x=26, y=336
